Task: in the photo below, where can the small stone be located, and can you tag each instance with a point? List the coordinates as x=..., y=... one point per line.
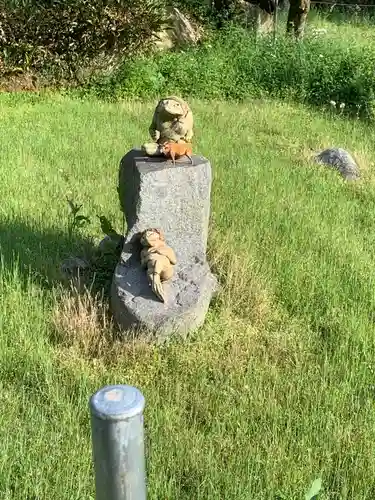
x=340, y=160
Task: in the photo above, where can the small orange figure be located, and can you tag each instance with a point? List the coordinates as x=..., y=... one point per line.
x=175, y=150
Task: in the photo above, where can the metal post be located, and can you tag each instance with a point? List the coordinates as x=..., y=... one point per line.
x=117, y=442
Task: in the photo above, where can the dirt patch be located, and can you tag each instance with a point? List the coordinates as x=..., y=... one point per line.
x=18, y=82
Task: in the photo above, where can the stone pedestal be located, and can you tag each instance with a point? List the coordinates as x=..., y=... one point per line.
x=176, y=199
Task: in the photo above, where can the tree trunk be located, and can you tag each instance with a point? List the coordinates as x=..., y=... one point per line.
x=298, y=12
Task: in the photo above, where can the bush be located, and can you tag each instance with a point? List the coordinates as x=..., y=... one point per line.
x=66, y=34
x=232, y=65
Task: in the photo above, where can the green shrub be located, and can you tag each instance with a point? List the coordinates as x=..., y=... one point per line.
x=233, y=65
x=35, y=34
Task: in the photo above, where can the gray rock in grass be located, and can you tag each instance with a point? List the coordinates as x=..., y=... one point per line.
x=340, y=160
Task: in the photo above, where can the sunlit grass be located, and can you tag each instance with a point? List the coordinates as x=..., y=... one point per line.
x=276, y=388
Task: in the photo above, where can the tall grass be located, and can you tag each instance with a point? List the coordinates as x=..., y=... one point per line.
x=234, y=65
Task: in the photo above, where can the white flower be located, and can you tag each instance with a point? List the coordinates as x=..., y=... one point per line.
x=342, y=105
x=332, y=103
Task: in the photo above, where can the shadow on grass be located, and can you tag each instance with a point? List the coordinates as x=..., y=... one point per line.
x=82, y=315
x=37, y=253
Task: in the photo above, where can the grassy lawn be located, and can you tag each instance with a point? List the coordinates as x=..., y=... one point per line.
x=354, y=30
x=275, y=390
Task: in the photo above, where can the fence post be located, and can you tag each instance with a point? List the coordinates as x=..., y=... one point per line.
x=118, y=443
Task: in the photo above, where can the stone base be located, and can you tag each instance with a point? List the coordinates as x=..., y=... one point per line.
x=155, y=193
x=135, y=306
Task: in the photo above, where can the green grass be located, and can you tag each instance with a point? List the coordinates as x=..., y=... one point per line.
x=354, y=29
x=276, y=389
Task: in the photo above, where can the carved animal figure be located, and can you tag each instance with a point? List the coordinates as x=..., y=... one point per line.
x=158, y=258
x=173, y=150
x=172, y=122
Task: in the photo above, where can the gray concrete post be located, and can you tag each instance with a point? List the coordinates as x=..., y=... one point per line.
x=118, y=443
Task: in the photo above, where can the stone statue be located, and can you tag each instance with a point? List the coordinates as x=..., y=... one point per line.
x=158, y=258
x=175, y=195
x=172, y=122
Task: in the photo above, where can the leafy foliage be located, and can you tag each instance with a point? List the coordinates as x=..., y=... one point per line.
x=76, y=220
x=233, y=65
x=67, y=34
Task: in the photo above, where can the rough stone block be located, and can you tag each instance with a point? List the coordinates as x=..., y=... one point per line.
x=154, y=193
